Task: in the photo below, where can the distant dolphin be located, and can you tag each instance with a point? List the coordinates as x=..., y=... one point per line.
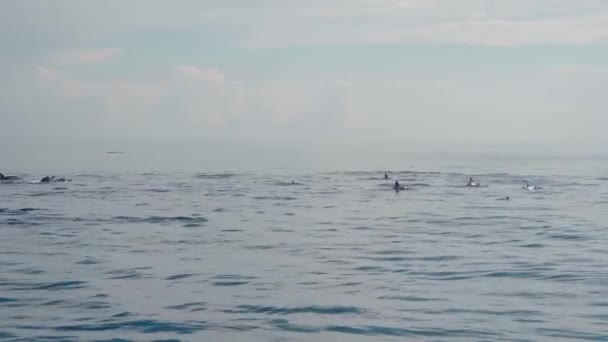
x=399, y=187
x=531, y=187
x=7, y=178
x=472, y=183
x=47, y=179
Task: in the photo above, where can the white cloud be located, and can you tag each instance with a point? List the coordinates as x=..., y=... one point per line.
x=204, y=74
x=580, y=70
x=47, y=73
x=254, y=23
x=109, y=92
x=343, y=84
x=84, y=56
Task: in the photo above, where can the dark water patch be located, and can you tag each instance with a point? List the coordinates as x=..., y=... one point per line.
x=313, y=309
x=414, y=332
x=29, y=271
x=88, y=261
x=512, y=274
x=21, y=211
x=489, y=312
x=122, y=315
x=446, y=275
x=4, y=300
x=573, y=334
x=157, y=190
x=196, y=306
x=389, y=259
x=409, y=298
x=567, y=237
x=533, y=245
x=601, y=304
x=566, y=277
x=288, y=184
x=144, y=326
x=260, y=247
x=93, y=305
x=181, y=276
x=160, y=219
x=231, y=230
x=284, y=325
x=281, y=230
x=56, y=286
x=370, y=269
x=437, y=258
x=220, y=210
x=55, y=303
x=214, y=175
x=133, y=273
x=53, y=338
x=45, y=193
x=275, y=198
x=229, y=283
x=231, y=280
x=193, y=225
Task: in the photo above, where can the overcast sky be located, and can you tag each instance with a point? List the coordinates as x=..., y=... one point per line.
x=440, y=71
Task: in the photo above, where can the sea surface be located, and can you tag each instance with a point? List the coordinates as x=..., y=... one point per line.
x=137, y=253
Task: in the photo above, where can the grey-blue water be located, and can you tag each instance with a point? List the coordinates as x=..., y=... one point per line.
x=193, y=255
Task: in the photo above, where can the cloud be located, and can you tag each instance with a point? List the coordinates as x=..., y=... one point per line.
x=47, y=73
x=62, y=25
x=84, y=56
x=110, y=92
x=343, y=84
x=580, y=70
x=194, y=72
x=502, y=32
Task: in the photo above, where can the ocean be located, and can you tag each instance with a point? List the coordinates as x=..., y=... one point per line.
x=218, y=247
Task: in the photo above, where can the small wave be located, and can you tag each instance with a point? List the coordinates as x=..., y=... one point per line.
x=5, y=335
x=275, y=198
x=157, y=190
x=161, y=219
x=196, y=306
x=45, y=193
x=93, y=305
x=15, y=212
x=313, y=309
x=567, y=237
x=288, y=183
x=7, y=300
x=88, y=261
x=131, y=273
x=214, y=175
x=143, y=326
x=57, y=286
x=409, y=298
x=181, y=276
x=230, y=283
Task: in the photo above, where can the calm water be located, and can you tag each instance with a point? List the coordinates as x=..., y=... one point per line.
x=246, y=256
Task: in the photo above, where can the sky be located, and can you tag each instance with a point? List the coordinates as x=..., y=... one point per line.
x=400, y=72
